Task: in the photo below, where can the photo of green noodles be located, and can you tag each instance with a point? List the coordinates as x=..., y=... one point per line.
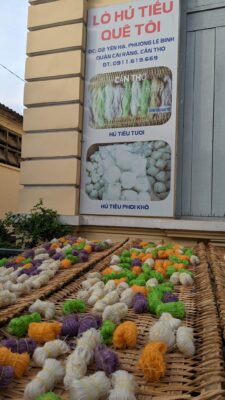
x=130, y=98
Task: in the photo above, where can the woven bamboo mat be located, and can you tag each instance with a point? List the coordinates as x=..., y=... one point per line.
x=217, y=264
x=200, y=377
x=62, y=278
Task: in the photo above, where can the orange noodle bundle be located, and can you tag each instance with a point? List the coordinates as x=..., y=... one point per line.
x=162, y=254
x=107, y=271
x=139, y=289
x=125, y=335
x=88, y=248
x=137, y=270
x=118, y=281
x=19, y=362
x=152, y=362
x=43, y=332
x=144, y=244
x=64, y=264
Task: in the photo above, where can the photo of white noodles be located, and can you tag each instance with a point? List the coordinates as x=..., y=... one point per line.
x=136, y=171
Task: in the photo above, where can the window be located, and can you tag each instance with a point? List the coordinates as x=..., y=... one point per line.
x=10, y=147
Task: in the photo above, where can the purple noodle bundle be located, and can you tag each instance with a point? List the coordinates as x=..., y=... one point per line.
x=28, y=253
x=140, y=303
x=136, y=262
x=13, y=264
x=6, y=376
x=70, y=326
x=83, y=256
x=88, y=321
x=51, y=252
x=36, y=263
x=20, y=346
x=106, y=360
x=97, y=247
x=58, y=256
x=46, y=245
x=71, y=238
x=169, y=298
x=32, y=271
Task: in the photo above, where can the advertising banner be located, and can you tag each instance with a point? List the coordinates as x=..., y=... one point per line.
x=130, y=109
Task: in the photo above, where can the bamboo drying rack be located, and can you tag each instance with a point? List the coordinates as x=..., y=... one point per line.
x=217, y=263
x=155, y=118
x=200, y=377
x=61, y=278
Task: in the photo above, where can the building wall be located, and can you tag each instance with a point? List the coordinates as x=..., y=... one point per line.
x=9, y=175
x=10, y=184
x=54, y=100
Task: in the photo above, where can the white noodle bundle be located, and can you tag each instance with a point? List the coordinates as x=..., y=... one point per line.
x=161, y=331
x=185, y=279
x=109, y=299
x=22, y=278
x=127, y=297
x=151, y=283
x=42, y=257
x=88, y=283
x=82, y=295
x=7, y=298
x=54, y=240
x=98, y=285
x=121, y=287
x=95, y=296
x=185, y=341
x=136, y=97
x=124, y=386
x=150, y=262
x=115, y=313
x=92, y=275
x=109, y=286
x=52, y=349
x=6, y=271
x=93, y=387
x=9, y=277
x=42, y=279
x=39, y=250
x=77, y=362
x=99, y=306
x=18, y=288
x=116, y=268
x=89, y=340
x=76, y=367
x=167, y=92
x=117, y=101
x=175, y=278
x=47, y=262
x=49, y=265
x=109, y=242
x=174, y=322
x=45, y=308
x=51, y=374
x=115, y=259
x=194, y=260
